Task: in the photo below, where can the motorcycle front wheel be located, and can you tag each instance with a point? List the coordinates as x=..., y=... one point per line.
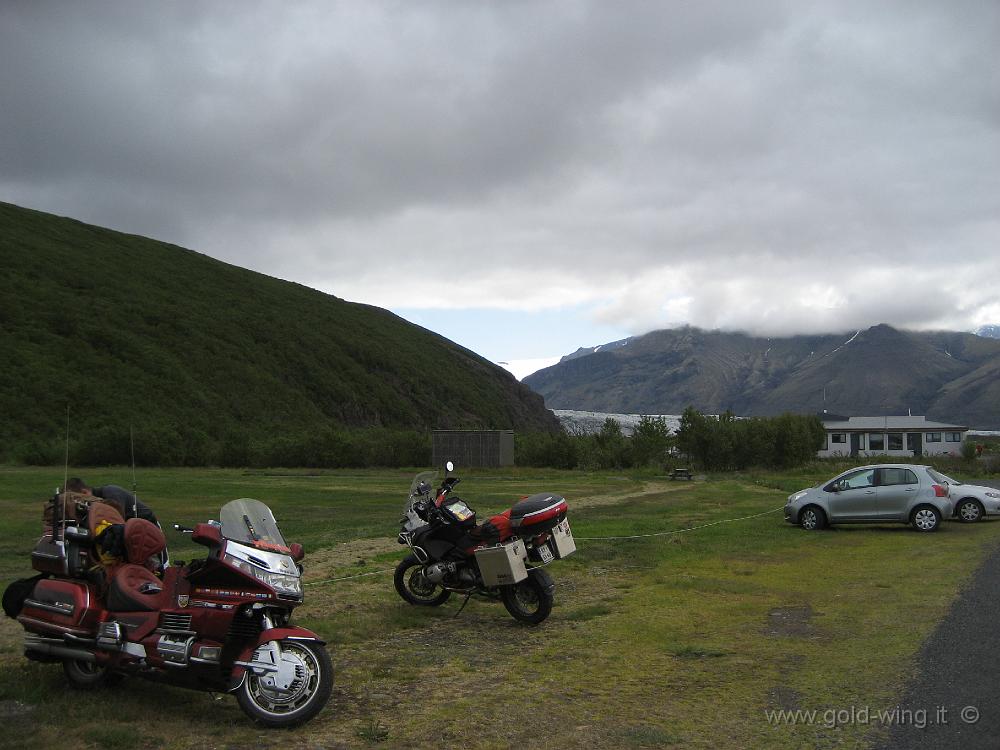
x=530, y=600
x=303, y=699
x=86, y=675
x=413, y=586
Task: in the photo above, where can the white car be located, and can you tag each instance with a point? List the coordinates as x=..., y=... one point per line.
x=972, y=501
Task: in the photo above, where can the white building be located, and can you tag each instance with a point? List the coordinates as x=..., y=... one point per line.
x=890, y=436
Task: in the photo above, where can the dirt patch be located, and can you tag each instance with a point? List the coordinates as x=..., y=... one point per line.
x=358, y=553
x=648, y=488
x=781, y=696
x=790, y=622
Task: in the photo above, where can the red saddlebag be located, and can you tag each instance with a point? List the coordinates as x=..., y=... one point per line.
x=57, y=606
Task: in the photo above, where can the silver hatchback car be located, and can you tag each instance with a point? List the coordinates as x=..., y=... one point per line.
x=874, y=494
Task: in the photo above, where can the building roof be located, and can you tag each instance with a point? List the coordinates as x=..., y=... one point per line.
x=890, y=423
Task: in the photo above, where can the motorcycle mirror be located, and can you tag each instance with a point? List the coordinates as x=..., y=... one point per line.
x=298, y=552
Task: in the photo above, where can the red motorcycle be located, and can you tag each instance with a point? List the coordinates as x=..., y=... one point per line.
x=219, y=624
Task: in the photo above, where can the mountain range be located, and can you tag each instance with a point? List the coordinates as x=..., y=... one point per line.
x=947, y=376
x=104, y=330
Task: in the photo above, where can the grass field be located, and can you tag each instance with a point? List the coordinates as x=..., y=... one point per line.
x=682, y=640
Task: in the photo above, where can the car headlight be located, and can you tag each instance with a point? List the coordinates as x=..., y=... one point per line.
x=994, y=495
x=283, y=584
x=797, y=496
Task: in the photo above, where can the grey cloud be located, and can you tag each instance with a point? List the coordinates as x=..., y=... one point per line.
x=603, y=143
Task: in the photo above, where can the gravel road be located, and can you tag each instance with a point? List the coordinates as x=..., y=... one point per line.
x=954, y=701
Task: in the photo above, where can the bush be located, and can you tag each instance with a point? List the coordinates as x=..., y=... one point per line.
x=726, y=443
x=546, y=450
x=969, y=450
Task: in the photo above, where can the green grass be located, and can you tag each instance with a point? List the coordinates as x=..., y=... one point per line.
x=679, y=640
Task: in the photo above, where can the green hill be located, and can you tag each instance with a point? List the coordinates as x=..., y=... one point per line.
x=204, y=359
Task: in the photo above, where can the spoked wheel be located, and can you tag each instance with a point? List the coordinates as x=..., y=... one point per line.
x=413, y=586
x=925, y=518
x=530, y=600
x=969, y=511
x=812, y=518
x=295, y=693
x=88, y=675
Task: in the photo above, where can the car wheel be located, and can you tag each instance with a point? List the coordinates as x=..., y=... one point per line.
x=812, y=518
x=925, y=518
x=969, y=511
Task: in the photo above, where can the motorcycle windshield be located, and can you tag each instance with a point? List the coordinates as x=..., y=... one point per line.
x=428, y=478
x=251, y=522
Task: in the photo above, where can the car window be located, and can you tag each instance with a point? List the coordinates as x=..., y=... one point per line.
x=864, y=478
x=943, y=478
x=897, y=476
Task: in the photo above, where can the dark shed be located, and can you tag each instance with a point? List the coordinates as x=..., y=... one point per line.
x=469, y=448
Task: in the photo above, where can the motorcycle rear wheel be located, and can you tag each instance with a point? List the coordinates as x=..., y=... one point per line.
x=307, y=698
x=414, y=587
x=530, y=600
x=86, y=675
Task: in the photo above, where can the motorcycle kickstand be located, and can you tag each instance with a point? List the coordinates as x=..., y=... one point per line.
x=467, y=597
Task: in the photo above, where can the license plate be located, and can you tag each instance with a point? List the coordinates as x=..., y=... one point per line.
x=546, y=553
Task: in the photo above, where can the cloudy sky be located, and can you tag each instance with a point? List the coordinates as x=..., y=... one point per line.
x=531, y=177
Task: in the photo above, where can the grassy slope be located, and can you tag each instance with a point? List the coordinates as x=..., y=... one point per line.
x=127, y=330
x=674, y=641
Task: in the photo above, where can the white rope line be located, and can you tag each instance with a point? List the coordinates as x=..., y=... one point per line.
x=348, y=578
x=677, y=531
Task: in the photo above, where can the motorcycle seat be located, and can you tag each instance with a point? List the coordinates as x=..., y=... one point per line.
x=143, y=540
x=135, y=589
x=497, y=528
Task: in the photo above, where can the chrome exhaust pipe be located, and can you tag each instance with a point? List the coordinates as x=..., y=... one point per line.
x=61, y=651
x=50, y=648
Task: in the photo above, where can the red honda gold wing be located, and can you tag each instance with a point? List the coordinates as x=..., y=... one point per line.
x=221, y=623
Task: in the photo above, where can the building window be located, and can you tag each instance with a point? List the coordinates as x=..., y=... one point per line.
x=895, y=441
x=838, y=437
x=953, y=437
x=933, y=437
x=876, y=441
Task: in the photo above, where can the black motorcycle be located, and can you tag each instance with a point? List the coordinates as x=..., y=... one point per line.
x=503, y=558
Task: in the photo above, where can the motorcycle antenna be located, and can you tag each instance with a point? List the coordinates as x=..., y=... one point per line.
x=135, y=494
x=66, y=463
x=57, y=503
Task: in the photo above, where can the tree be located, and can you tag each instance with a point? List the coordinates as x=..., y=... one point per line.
x=651, y=439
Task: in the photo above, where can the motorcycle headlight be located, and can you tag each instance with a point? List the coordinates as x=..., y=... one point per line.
x=283, y=584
